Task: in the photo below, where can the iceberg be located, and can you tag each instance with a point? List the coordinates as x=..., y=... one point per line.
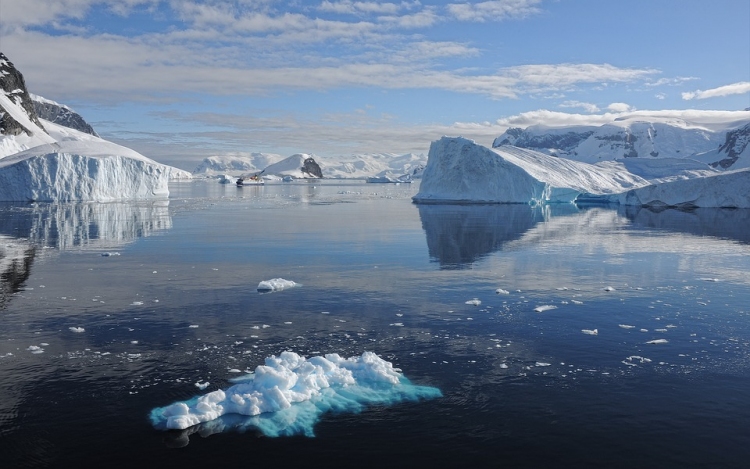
x=288, y=394
x=275, y=284
x=461, y=171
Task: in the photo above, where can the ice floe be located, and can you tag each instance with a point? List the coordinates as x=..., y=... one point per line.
x=275, y=284
x=590, y=331
x=288, y=394
x=543, y=308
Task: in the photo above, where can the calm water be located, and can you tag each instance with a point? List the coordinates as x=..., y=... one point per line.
x=521, y=388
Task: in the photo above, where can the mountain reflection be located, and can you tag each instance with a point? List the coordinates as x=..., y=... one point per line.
x=24, y=229
x=724, y=223
x=459, y=235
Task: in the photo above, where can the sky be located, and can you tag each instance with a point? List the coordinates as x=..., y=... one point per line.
x=181, y=80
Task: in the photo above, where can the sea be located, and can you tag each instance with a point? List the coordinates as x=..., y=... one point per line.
x=558, y=336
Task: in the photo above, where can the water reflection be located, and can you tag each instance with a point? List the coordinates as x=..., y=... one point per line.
x=724, y=223
x=25, y=229
x=459, y=235
x=84, y=225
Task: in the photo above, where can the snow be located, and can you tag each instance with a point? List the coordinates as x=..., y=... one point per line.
x=275, y=284
x=63, y=164
x=288, y=394
x=291, y=166
x=461, y=171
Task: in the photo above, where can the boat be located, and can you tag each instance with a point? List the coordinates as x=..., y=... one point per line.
x=254, y=180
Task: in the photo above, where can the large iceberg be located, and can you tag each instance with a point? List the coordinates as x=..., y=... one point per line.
x=461, y=171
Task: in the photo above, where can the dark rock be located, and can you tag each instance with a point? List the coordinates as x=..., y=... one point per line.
x=62, y=115
x=312, y=168
x=13, y=86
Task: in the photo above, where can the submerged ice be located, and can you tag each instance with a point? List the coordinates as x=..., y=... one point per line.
x=288, y=394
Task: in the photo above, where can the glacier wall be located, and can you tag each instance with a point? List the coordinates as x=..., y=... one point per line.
x=63, y=176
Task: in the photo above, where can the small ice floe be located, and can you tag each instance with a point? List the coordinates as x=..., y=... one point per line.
x=543, y=308
x=630, y=361
x=710, y=279
x=626, y=326
x=397, y=324
x=590, y=331
x=202, y=386
x=658, y=341
x=542, y=364
x=609, y=288
x=194, y=326
x=504, y=366
x=576, y=302
x=136, y=303
x=660, y=330
x=275, y=284
x=35, y=349
x=500, y=291
x=234, y=370
x=475, y=302
x=643, y=330
x=110, y=254
x=76, y=329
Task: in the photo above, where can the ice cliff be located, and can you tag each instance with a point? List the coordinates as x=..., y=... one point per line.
x=461, y=171
x=44, y=161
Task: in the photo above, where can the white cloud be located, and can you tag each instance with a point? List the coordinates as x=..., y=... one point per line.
x=588, y=107
x=660, y=96
x=619, y=107
x=495, y=10
x=735, y=88
x=358, y=8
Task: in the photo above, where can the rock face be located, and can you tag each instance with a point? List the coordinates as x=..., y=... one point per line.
x=312, y=168
x=13, y=86
x=735, y=144
x=61, y=115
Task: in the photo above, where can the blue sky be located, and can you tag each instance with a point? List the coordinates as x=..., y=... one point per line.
x=181, y=80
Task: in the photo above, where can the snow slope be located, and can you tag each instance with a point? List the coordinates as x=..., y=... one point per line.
x=460, y=171
x=73, y=165
x=236, y=164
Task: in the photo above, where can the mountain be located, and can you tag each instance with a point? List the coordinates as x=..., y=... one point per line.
x=359, y=166
x=60, y=114
x=300, y=165
x=637, y=137
x=44, y=161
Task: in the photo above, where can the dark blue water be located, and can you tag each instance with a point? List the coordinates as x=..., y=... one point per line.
x=664, y=382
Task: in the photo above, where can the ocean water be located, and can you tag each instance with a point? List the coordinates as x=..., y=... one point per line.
x=559, y=336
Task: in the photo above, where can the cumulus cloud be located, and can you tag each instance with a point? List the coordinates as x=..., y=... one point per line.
x=726, y=90
x=619, y=107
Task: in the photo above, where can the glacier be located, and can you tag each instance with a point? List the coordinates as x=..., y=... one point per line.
x=289, y=393
x=461, y=171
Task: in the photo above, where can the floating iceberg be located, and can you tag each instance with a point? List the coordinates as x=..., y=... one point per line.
x=461, y=171
x=275, y=284
x=288, y=394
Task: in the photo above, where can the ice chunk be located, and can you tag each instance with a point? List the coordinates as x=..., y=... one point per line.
x=626, y=326
x=475, y=302
x=590, y=331
x=500, y=291
x=658, y=341
x=543, y=308
x=288, y=394
x=76, y=329
x=202, y=386
x=275, y=284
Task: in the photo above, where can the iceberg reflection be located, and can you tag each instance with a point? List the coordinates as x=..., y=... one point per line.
x=84, y=225
x=459, y=235
x=722, y=223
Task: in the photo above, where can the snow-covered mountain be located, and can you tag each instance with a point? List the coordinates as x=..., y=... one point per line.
x=300, y=165
x=638, y=136
x=359, y=166
x=60, y=114
x=459, y=170
x=44, y=161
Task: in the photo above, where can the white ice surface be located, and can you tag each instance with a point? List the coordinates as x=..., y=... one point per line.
x=461, y=171
x=292, y=391
x=275, y=284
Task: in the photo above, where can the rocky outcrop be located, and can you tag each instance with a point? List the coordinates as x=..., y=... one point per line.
x=312, y=168
x=733, y=147
x=61, y=115
x=13, y=86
